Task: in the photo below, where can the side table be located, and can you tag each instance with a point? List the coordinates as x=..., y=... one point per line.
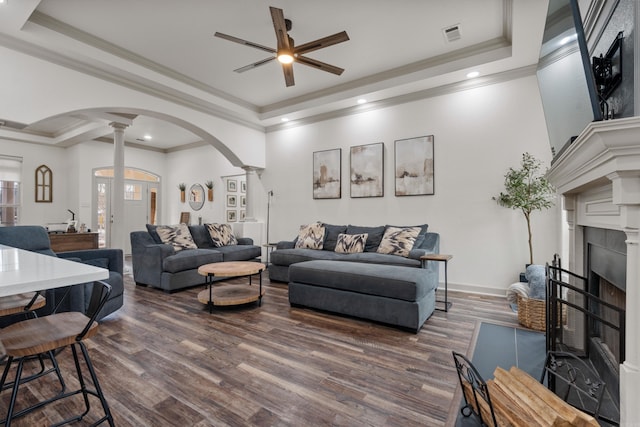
x=270, y=247
x=440, y=258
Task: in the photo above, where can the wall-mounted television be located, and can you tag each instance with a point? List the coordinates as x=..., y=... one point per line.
x=565, y=77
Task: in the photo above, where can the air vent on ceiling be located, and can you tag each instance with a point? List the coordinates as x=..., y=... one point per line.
x=452, y=33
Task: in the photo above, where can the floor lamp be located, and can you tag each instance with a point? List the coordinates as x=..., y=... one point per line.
x=268, y=245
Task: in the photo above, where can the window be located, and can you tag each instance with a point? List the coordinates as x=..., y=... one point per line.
x=10, y=170
x=132, y=192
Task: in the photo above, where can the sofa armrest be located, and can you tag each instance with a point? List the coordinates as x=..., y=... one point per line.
x=115, y=257
x=147, y=257
x=245, y=241
x=285, y=244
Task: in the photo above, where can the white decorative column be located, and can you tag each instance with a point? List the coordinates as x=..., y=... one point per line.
x=252, y=181
x=118, y=239
x=251, y=227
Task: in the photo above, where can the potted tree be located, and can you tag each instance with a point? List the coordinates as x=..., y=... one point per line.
x=527, y=189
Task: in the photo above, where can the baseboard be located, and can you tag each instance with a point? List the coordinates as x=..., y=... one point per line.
x=475, y=289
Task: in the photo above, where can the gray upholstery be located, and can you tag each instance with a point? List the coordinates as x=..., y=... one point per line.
x=158, y=265
x=396, y=295
x=286, y=255
x=35, y=238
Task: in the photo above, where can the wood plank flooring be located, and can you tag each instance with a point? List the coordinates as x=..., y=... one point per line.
x=163, y=360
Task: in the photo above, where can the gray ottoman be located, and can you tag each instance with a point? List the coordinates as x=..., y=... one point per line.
x=400, y=296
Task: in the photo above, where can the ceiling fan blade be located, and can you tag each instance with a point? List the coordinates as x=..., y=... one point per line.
x=277, y=16
x=244, y=42
x=319, y=65
x=321, y=43
x=254, y=65
x=287, y=69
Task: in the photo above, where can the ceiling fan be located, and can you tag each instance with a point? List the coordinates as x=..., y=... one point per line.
x=287, y=53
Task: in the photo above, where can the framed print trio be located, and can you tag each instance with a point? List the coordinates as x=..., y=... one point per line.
x=414, y=166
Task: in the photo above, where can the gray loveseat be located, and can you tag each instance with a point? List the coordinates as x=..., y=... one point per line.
x=285, y=253
x=159, y=265
x=35, y=238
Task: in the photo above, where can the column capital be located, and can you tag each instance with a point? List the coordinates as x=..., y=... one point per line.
x=117, y=125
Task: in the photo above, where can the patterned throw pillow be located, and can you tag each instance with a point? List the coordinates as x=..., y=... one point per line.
x=351, y=243
x=221, y=235
x=177, y=236
x=398, y=240
x=310, y=236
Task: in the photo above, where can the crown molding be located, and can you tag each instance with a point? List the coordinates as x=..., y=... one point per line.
x=411, y=97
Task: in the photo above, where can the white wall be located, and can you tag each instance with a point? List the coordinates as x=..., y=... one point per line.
x=478, y=133
x=196, y=166
x=33, y=156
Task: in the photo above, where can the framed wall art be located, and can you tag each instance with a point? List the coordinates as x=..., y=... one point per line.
x=232, y=200
x=327, y=174
x=232, y=185
x=232, y=216
x=366, y=177
x=414, y=166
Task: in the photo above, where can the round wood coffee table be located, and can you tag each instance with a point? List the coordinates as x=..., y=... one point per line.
x=231, y=294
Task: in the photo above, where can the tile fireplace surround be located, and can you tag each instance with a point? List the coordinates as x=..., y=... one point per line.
x=599, y=179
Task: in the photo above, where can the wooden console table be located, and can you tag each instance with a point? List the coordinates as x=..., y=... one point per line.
x=62, y=242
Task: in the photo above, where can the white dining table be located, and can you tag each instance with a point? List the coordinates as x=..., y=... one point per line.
x=26, y=271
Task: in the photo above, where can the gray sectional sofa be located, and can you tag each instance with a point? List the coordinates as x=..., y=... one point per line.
x=387, y=288
x=159, y=265
x=285, y=253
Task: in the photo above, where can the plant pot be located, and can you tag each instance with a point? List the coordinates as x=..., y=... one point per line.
x=210, y=194
x=182, y=196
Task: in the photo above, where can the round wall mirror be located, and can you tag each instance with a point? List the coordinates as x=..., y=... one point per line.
x=196, y=197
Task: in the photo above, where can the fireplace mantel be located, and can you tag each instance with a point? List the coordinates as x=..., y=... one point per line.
x=603, y=148
x=598, y=176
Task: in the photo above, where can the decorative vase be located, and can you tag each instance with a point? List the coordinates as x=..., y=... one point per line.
x=182, y=196
x=210, y=194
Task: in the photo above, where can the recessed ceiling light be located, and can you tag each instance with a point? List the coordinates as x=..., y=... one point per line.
x=362, y=101
x=147, y=137
x=285, y=119
x=473, y=74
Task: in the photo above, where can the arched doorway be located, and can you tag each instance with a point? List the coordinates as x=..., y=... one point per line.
x=141, y=202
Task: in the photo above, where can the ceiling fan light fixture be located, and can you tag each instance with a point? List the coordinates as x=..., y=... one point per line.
x=285, y=56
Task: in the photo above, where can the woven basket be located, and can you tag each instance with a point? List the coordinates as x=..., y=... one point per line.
x=532, y=313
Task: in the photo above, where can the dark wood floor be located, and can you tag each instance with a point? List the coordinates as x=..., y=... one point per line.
x=163, y=360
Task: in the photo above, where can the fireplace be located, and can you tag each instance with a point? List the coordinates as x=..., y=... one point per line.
x=599, y=179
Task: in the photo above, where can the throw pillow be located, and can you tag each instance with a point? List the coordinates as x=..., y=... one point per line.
x=398, y=240
x=351, y=243
x=310, y=236
x=374, y=235
x=221, y=235
x=421, y=236
x=177, y=236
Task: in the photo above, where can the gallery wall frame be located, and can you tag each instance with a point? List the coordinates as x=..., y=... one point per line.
x=232, y=200
x=366, y=177
x=414, y=166
x=232, y=216
x=232, y=185
x=327, y=174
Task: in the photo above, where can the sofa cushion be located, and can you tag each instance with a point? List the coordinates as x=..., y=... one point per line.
x=374, y=235
x=221, y=235
x=398, y=240
x=409, y=284
x=310, y=236
x=177, y=236
x=201, y=236
x=331, y=236
x=351, y=243
x=287, y=257
x=239, y=252
x=154, y=234
x=190, y=259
